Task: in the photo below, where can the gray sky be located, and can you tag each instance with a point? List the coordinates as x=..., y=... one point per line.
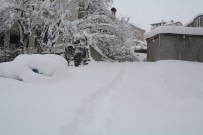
x=145, y=12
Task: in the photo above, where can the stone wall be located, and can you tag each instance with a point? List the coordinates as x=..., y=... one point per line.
x=175, y=47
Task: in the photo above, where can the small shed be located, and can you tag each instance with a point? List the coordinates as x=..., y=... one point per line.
x=175, y=43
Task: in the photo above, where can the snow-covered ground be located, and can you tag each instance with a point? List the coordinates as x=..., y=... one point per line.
x=162, y=98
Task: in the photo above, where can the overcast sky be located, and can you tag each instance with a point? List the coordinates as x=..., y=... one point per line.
x=145, y=12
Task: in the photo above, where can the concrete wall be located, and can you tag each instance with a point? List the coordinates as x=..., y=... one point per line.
x=138, y=32
x=95, y=55
x=74, y=9
x=152, y=48
x=175, y=47
x=73, y=6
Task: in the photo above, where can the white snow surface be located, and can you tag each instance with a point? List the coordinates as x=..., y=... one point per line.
x=162, y=98
x=175, y=30
x=22, y=67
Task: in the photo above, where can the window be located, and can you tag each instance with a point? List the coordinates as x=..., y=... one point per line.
x=196, y=22
x=201, y=21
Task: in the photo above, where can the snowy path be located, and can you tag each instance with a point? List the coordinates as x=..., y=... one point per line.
x=92, y=116
x=108, y=99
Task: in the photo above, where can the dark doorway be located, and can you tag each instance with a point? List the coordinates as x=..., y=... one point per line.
x=14, y=41
x=1, y=41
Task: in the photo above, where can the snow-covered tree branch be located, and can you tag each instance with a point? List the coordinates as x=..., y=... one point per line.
x=111, y=35
x=43, y=19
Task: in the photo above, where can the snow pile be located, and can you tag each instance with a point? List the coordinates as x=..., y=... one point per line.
x=175, y=30
x=34, y=67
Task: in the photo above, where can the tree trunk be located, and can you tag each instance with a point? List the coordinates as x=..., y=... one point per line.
x=7, y=39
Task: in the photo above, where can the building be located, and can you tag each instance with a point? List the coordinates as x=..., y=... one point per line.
x=138, y=32
x=163, y=23
x=196, y=22
x=74, y=10
x=155, y=25
x=175, y=43
x=174, y=23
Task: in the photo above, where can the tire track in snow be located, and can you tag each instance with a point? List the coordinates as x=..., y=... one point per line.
x=92, y=116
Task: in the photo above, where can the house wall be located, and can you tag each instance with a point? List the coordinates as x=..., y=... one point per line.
x=138, y=33
x=152, y=49
x=73, y=6
x=175, y=47
x=74, y=9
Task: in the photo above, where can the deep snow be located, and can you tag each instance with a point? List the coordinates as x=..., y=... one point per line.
x=159, y=98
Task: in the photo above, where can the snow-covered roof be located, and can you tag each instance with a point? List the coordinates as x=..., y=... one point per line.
x=191, y=21
x=137, y=26
x=160, y=23
x=168, y=23
x=175, y=30
x=198, y=15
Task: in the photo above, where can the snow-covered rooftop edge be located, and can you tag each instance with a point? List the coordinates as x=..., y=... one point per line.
x=175, y=30
x=191, y=21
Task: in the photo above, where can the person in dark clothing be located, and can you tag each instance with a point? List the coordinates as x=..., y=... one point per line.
x=78, y=58
x=69, y=53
